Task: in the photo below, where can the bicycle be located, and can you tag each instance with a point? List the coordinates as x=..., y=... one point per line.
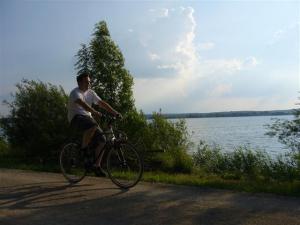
x=123, y=165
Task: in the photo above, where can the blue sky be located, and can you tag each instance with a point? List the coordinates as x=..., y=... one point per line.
x=185, y=56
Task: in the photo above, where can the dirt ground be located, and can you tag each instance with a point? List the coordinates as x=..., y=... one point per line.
x=46, y=199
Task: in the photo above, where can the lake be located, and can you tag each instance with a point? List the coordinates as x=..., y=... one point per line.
x=229, y=132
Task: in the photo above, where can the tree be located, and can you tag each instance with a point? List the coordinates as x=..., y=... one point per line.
x=103, y=59
x=105, y=62
x=37, y=124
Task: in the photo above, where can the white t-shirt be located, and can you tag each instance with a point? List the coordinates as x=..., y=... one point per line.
x=89, y=96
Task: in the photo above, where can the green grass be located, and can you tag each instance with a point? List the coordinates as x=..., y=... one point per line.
x=196, y=178
x=254, y=186
x=11, y=162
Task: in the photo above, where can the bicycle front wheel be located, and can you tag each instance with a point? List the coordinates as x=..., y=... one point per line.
x=124, y=166
x=72, y=163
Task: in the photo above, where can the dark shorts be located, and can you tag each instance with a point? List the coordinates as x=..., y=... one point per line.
x=83, y=123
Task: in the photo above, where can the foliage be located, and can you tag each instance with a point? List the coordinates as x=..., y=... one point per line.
x=246, y=163
x=285, y=167
x=3, y=146
x=37, y=123
x=163, y=143
x=103, y=59
x=287, y=131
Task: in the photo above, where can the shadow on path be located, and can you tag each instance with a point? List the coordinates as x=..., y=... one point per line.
x=100, y=202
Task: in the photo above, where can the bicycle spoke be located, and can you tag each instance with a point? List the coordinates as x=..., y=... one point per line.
x=124, y=166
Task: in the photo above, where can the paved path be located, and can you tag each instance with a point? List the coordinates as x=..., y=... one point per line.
x=33, y=198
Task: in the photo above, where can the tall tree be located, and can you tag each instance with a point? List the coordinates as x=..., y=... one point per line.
x=104, y=60
x=84, y=59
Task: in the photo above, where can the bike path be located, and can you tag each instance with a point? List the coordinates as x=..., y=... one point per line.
x=33, y=198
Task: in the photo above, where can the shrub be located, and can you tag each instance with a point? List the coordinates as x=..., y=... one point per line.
x=209, y=158
x=284, y=168
x=37, y=124
x=3, y=146
x=163, y=143
x=244, y=162
x=176, y=161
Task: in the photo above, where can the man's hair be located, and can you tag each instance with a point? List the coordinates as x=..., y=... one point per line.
x=82, y=75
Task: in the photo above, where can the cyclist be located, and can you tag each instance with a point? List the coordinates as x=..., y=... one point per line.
x=81, y=113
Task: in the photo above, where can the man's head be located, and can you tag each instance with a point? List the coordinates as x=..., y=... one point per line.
x=83, y=81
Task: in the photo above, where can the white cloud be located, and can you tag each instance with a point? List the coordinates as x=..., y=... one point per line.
x=176, y=70
x=206, y=46
x=250, y=62
x=277, y=36
x=165, y=13
x=169, y=66
x=177, y=56
x=159, y=13
x=130, y=30
x=227, y=66
x=153, y=56
x=220, y=103
x=144, y=39
x=282, y=33
x=221, y=89
x=214, y=104
x=150, y=94
x=221, y=66
x=294, y=25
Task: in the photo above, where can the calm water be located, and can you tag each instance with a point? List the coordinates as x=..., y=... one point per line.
x=229, y=132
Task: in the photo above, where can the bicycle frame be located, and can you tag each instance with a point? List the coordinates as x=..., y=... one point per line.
x=121, y=158
x=111, y=142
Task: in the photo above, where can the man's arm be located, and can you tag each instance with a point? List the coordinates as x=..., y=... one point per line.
x=88, y=108
x=107, y=107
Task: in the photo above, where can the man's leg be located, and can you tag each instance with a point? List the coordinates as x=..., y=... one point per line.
x=97, y=152
x=87, y=136
x=87, y=126
x=100, y=139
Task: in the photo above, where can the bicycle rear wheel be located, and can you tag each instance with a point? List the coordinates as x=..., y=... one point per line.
x=124, y=166
x=72, y=163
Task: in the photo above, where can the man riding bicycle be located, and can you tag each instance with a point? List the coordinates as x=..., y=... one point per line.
x=80, y=113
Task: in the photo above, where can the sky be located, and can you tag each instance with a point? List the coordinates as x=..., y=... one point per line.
x=184, y=56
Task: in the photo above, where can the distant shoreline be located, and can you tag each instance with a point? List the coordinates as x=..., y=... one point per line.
x=225, y=114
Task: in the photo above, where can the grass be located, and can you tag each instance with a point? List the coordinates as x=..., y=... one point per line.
x=291, y=188
x=196, y=178
x=10, y=162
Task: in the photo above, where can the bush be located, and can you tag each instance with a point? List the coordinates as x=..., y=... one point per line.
x=244, y=162
x=284, y=168
x=37, y=124
x=210, y=159
x=162, y=143
x=3, y=146
x=176, y=161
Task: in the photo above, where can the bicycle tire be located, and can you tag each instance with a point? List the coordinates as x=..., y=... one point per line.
x=124, y=165
x=72, y=163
